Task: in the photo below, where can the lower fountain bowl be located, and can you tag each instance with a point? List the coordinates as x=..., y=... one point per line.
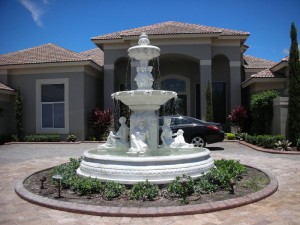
x=159, y=169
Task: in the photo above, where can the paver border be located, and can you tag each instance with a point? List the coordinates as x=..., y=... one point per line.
x=272, y=151
x=271, y=188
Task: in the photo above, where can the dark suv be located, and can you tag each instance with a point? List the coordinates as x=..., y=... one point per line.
x=196, y=132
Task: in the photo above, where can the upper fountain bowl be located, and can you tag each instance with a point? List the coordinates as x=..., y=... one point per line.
x=143, y=51
x=144, y=99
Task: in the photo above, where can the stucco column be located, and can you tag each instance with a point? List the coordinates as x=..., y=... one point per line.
x=205, y=76
x=235, y=84
x=109, y=84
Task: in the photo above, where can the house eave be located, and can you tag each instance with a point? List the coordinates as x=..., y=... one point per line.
x=52, y=64
x=253, y=80
x=7, y=92
x=279, y=66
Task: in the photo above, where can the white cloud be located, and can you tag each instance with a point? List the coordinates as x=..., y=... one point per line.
x=36, y=10
x=286, y=51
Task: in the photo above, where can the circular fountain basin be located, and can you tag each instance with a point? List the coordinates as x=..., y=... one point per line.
x=144, y=99
x=161, y=166
x=144, y=52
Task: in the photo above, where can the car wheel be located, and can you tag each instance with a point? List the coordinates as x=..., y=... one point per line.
x=198, y=142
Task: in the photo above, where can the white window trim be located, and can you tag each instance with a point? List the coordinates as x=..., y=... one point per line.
x=38, y=87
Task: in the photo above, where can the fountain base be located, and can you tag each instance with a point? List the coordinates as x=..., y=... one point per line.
x=158, y=169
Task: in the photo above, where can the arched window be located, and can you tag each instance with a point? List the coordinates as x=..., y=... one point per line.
x=176, y=85
x=180, y=87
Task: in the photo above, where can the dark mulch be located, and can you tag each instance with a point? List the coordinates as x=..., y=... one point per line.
x=253, y=181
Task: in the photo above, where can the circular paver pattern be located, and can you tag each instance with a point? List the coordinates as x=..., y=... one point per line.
x=19, y=160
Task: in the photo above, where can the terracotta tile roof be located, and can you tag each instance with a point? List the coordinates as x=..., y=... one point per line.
x=47, y=53
x=251, y=62
x=95, y=54
x=171, y=27
x=267, y=73
x=4, y=87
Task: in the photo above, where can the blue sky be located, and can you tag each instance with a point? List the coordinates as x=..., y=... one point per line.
x=71, y=23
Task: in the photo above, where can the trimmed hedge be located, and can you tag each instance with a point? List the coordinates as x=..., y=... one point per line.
x=261, y=106
x=42, y=138
x=230, y=136
x=265, y=141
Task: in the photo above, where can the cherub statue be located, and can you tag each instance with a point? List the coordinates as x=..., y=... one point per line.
x=167, y=133
x=120, y=138
x=139, y=137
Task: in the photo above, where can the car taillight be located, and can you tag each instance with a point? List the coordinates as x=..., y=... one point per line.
x=213, y=128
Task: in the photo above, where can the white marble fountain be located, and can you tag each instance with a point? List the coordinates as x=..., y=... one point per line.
x=133, y=154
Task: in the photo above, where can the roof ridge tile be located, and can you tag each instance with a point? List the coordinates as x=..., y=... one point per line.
x=170, y=27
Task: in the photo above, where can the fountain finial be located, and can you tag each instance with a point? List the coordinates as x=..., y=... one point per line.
x=144, y=39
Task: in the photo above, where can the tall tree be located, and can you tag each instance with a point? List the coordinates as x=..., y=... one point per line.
x=209, y=109
x=19, y=114
x=294, y=88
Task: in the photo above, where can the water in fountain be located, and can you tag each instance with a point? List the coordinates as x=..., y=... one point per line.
x=133, y=154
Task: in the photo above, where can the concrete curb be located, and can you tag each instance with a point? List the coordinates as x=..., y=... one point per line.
x=272, y=151
x=22, y=192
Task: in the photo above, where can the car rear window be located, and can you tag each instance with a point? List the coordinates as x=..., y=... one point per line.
x=182, y=121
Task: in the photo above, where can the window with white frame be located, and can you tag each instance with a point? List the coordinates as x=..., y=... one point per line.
x=52, y=106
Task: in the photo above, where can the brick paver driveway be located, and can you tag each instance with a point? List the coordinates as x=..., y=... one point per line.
x=20, y=160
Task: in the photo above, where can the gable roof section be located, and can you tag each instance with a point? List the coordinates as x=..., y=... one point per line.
x=3, y=87
x=47, y=53
x=171, y=28
x=95, y=54
x=267, y=73
x=251, y=62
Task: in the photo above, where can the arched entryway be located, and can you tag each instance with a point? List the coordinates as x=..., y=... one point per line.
x=122, y=71
x=220, y=88
x=180, y=73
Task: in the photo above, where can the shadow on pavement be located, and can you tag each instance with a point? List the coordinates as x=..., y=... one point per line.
x=215, y=148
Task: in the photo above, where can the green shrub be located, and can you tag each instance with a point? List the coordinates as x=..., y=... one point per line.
x=144, y=191
x=19, y=110
x=177, y=189
x=87, y=185
x=265, y=141
x=283, y=145
x=68, y=172
x=208, y=98
x=241, y=136
x=233, y=167
x=72, y=138
x=230, y=136
x=113, y=190
x=91, y=139
x=261, y=106
x=224, y=171
x=218, y=178
x=298, y=144
x=42, y=138
x=204, y=186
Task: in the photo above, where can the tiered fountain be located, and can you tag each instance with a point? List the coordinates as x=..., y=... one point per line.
x=133, y=155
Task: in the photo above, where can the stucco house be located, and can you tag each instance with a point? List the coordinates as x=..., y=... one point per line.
x=60, y=87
